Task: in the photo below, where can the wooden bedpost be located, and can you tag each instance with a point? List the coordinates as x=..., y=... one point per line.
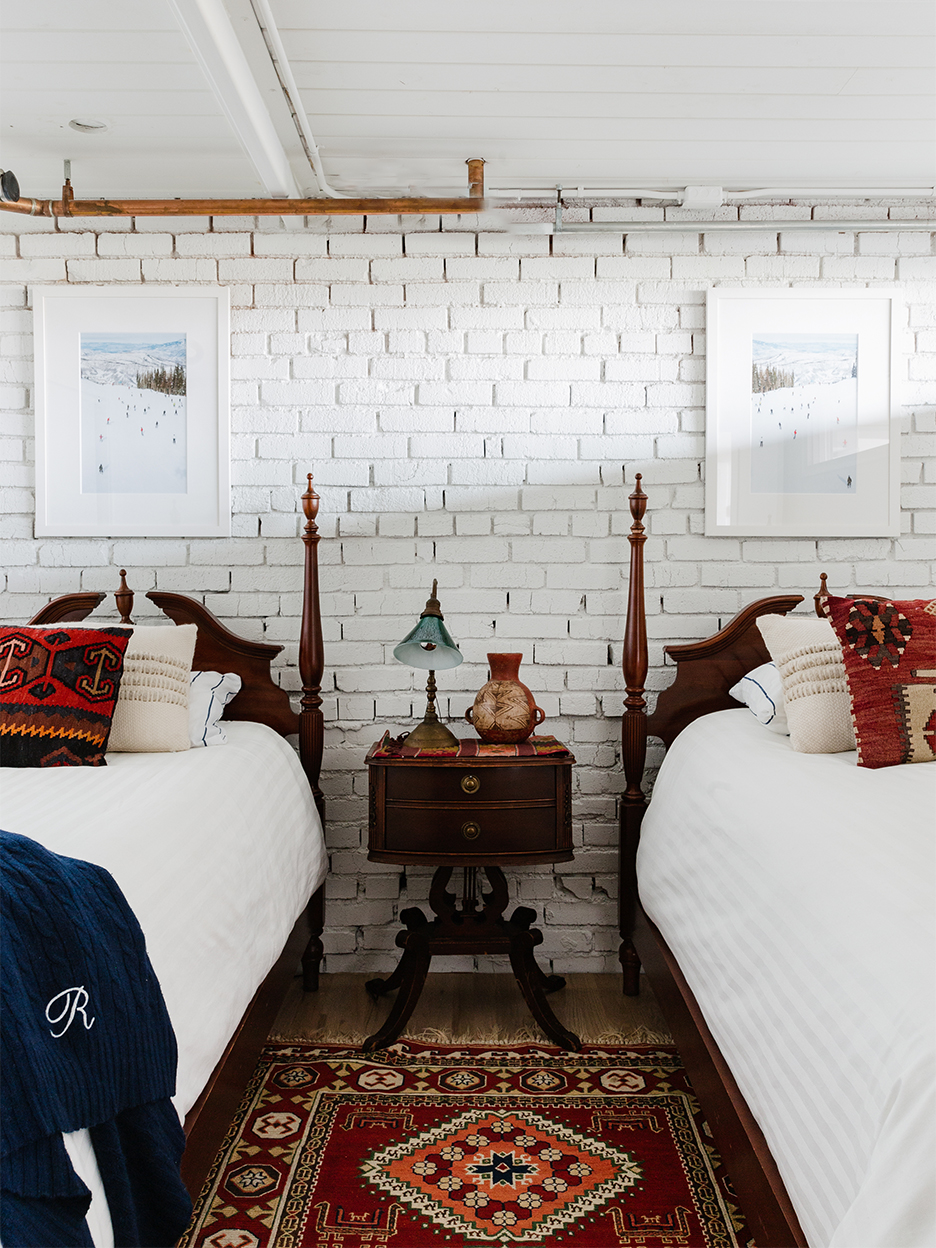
x=633, y=743
x=123, y=596
x=311, y=720
x=823, y=594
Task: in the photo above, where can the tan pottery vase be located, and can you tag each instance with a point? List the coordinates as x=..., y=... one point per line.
x=504, y=712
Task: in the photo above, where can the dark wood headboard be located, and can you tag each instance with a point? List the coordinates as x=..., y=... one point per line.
x=261, y=699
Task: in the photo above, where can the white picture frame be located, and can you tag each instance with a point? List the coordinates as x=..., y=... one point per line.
x=801, y=436
x=132, y=411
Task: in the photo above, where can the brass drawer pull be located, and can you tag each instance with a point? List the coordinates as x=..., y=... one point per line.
x=471, y=831
x=470, y=784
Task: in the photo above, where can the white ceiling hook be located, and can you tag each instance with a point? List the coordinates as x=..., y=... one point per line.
x=696, y=197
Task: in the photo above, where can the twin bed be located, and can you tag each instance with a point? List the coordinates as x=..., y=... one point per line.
x=218, y=851
x=784, y=912
x=781, y=904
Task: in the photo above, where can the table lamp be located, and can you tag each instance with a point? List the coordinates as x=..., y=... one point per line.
x=429, y=646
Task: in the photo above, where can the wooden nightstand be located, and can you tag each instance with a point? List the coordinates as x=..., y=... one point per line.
x=481, y=812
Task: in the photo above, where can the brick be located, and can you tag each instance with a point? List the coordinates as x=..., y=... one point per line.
x=858, y=268
x=162, y=270
x=916, y=269
x=57, y=244
x=366, y=245
x=781, y=267
x=664, y=243
x=483, y=268
x=442, y=294
x=910, y=244
x=532, y=393
x=30, y=270
x=224, y=245
x=817, y=242
x=707, y=268
x=433, y=244
x=292, y=244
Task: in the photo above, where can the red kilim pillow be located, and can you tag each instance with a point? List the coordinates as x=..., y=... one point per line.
x=889, y=649
x=58, y=688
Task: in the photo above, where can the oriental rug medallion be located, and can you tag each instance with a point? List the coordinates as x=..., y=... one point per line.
x=434, y=1145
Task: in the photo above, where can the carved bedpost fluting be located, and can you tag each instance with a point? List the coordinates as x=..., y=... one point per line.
x=633, y=743
x=311, y=720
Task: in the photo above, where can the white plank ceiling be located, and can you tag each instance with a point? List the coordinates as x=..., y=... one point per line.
x=611, y=94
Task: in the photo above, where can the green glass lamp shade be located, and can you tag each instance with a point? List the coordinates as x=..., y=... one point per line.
x=429, y=646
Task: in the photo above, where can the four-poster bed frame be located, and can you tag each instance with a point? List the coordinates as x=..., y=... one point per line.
x=706, y=670
x=260, y=700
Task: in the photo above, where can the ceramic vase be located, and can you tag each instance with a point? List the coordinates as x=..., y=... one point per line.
x=504, y=712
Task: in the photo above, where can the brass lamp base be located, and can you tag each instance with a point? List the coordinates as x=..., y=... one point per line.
x=431, y=734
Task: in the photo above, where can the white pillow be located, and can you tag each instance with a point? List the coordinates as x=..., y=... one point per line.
x=151, y=715
x=808, y=656
x=209, y=694
x=761, y=691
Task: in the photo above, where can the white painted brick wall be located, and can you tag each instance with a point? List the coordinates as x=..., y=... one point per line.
x=474, y=405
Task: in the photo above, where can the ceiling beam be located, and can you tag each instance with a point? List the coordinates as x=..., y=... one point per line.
x=208, y=29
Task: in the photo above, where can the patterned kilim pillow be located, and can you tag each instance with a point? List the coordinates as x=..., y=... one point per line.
x=889, y=650
x=58, y=688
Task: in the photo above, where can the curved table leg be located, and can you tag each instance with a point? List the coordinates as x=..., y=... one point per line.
x=411, y=975
x=523, y=917
x=532, y=983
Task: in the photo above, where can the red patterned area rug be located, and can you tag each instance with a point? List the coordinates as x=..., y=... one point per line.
x=433, y=1145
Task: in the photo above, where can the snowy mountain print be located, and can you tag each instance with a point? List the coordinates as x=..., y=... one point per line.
x=804, y=413
x=133, y=413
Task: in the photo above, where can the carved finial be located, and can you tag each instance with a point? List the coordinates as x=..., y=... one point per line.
x=638, y=506
x=123, y=596
x=310, y=505
x=819, y=598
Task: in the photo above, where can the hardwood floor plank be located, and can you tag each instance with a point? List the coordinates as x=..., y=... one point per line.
x=471, y=1008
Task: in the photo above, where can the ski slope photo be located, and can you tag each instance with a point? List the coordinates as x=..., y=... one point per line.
x=133, y=413
x=804, y=413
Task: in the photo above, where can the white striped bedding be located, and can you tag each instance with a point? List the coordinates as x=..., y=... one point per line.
x=796, y=892
x=217, y=851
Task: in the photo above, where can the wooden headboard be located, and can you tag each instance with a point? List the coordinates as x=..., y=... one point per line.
x=261, y=699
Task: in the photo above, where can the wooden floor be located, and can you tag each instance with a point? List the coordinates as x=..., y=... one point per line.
x=472, y=1008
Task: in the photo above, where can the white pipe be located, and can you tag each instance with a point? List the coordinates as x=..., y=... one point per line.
x=713, y=227
x=271, y=36
x=211, y=37
x=627, y=192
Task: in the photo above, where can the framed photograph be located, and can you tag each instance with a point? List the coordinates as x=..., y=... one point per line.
x=801, y=435
x=132, y=411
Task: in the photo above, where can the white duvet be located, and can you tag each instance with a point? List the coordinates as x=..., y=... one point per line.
x=797, y=893
x=217, y=852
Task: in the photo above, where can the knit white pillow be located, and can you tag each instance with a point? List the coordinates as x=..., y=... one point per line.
x=151, y=715
x=815, y=694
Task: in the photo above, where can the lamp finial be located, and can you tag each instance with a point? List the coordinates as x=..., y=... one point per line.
x=433, y=606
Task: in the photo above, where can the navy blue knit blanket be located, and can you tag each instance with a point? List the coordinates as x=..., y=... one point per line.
x=86, y=1042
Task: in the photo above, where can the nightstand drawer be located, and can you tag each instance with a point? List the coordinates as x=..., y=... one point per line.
x=484, y=831
x=461, y=784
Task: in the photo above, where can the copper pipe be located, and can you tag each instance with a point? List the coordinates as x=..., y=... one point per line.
x=475, y=177
x=68, y=206
x=237, y=207
x=31, y=207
